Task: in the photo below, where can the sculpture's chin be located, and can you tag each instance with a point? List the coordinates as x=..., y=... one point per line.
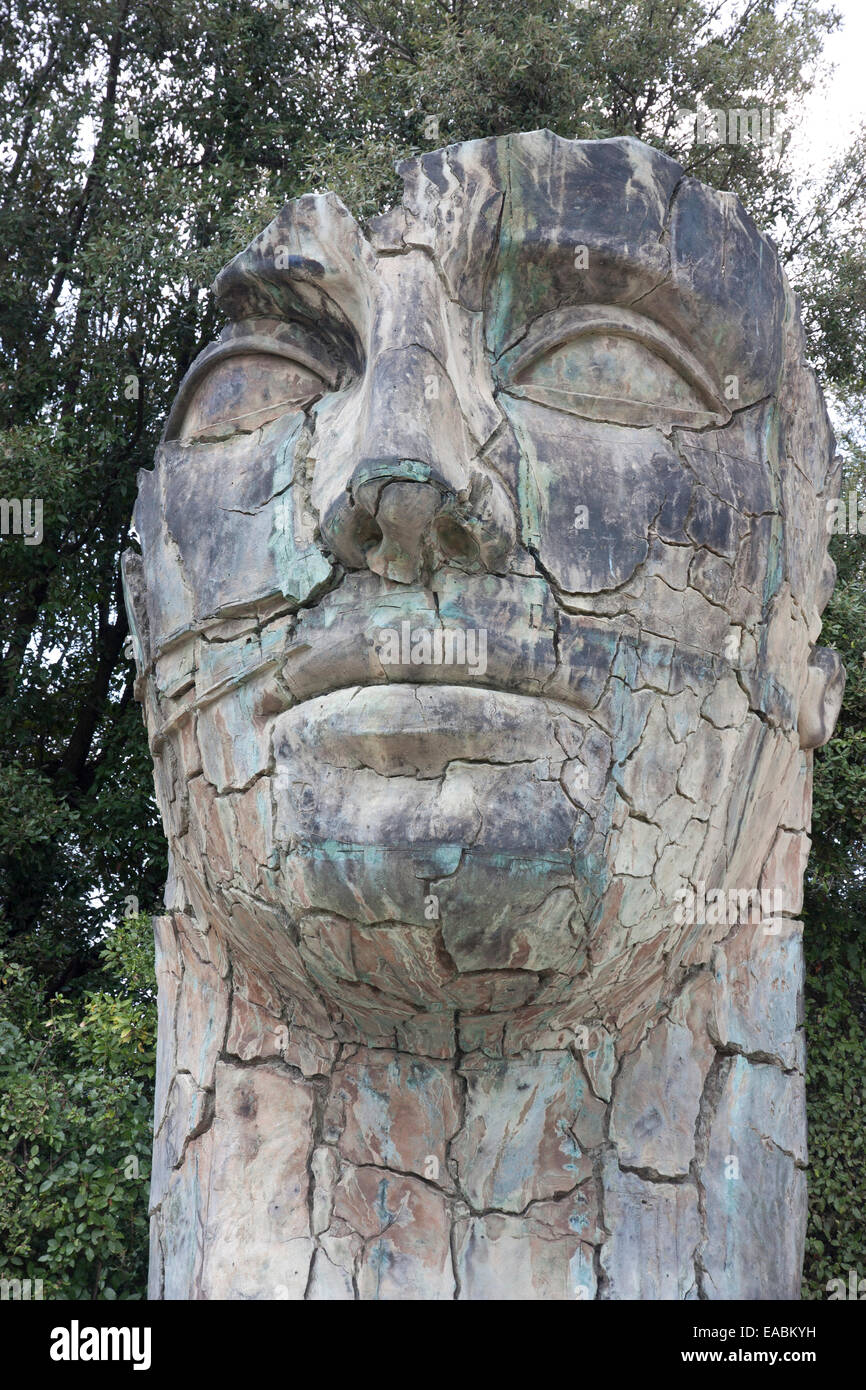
x=450, y=821
x=486, y=910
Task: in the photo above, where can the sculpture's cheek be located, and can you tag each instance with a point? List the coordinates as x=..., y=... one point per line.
x=228, y=523
x=590, y=492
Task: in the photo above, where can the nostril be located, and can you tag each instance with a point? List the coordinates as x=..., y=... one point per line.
x=368, y=532
x=454, y=540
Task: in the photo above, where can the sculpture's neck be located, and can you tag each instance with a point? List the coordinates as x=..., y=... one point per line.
x=283, y=1169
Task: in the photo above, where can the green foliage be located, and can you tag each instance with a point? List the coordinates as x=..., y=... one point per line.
x=836, y=1030
x=835, y=939
x=76, y=1106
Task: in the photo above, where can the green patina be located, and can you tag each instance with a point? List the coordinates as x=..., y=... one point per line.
x=302, y=570
x=775, y=557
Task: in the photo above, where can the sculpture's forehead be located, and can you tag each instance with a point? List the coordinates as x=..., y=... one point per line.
x=521, y=225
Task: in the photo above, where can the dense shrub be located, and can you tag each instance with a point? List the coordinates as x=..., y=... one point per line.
x=76, y=1102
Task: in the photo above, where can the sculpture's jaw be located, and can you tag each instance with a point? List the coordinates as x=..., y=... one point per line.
x=443, y=850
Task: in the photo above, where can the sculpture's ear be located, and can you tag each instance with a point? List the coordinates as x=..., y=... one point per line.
x=134, y=593
x=821, y=700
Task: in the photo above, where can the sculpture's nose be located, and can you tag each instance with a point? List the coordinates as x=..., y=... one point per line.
x=414, y=498
x=396, y=516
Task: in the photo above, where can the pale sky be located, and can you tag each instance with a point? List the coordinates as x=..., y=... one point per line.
x=837, y=107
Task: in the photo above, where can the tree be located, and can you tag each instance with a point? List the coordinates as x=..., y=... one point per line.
x=75, y=1113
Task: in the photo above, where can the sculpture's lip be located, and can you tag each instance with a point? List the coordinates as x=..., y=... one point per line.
x=417, y=730
x=517, y=646
x=529, y=689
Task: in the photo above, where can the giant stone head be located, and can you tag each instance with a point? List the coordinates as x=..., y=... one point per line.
x=481, y=573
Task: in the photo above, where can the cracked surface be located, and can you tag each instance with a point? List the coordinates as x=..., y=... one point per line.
x=468, y=983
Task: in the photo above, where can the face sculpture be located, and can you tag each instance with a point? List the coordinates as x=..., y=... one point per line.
x=482, y=565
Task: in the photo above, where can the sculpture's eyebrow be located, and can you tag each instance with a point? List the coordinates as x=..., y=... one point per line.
x=295, y=288
x=727, y=313
x=311, y=265
x=608, y=227
x=522, y=225
x=531, y=281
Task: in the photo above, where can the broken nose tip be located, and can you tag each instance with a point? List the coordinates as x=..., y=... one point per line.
x=393, y=563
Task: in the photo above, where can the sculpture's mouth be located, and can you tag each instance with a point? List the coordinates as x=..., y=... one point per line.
x=381, y=789
x=494, y=636
x=418, y=730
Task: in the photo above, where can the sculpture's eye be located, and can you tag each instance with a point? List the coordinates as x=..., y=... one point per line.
x=613, y=365
x=241, y=392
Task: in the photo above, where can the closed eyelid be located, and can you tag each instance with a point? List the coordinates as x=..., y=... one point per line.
x=245, y=345
x=249, y=414
x=563, y=326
